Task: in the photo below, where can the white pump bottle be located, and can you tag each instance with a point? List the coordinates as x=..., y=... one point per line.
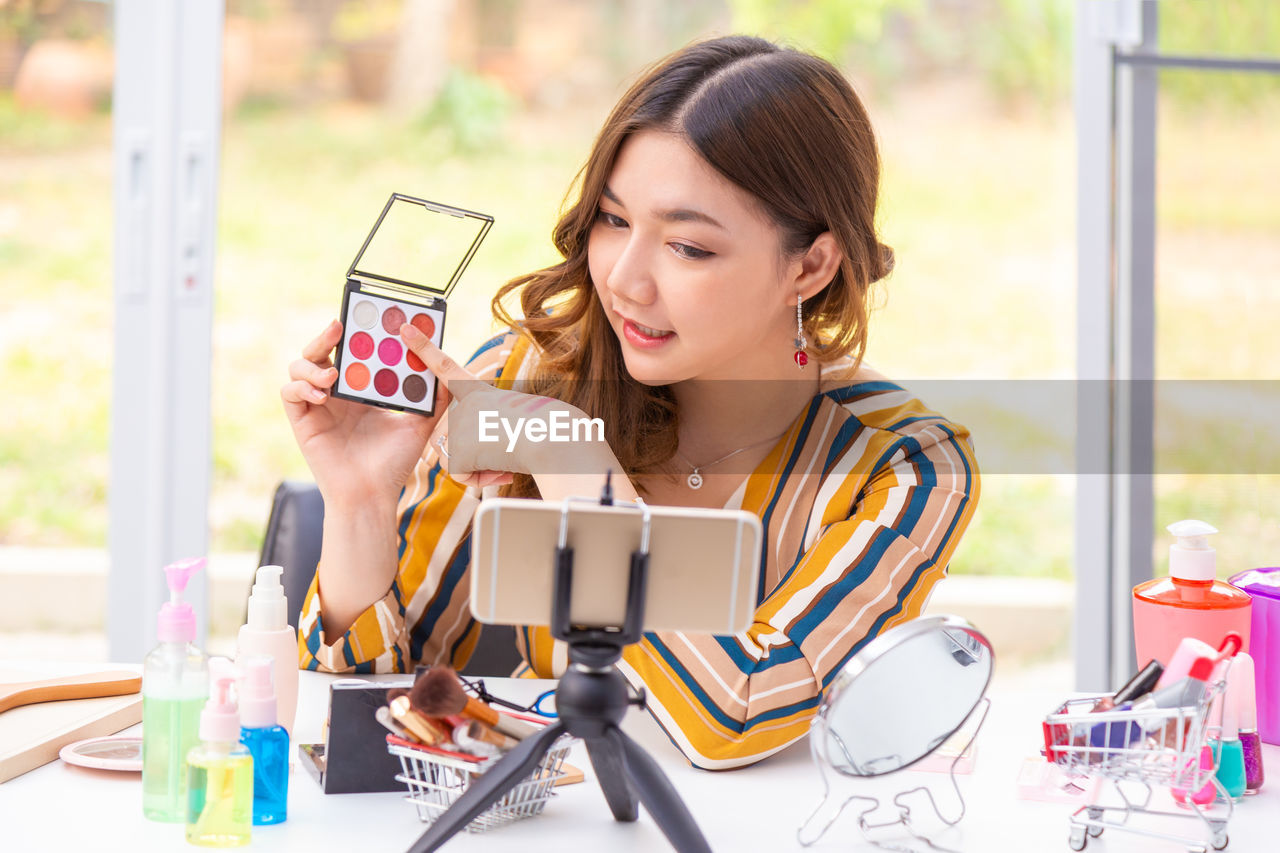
x=268, y=633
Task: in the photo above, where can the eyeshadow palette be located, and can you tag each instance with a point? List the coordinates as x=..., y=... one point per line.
x=378, y=367
x=402, y=277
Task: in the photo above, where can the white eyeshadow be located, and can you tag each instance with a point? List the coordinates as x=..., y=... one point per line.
x=365, y=314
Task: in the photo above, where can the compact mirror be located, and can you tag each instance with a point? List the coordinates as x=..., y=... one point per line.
x=895, y=702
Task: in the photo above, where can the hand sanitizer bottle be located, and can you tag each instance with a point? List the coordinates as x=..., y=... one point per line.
x=175, y=683
x=268, y=633
x=1190, y=602
x=220, y=769
x=266, y=740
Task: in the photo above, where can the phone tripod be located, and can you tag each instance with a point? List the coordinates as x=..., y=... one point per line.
x=591, y=701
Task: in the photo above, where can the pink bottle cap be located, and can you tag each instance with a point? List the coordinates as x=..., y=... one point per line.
x=220, y=719
x=177, y=621
x=257, y=693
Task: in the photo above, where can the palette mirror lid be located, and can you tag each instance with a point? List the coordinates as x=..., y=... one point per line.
x=420, y=244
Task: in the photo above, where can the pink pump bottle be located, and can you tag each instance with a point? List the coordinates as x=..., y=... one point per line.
x=1191, y=602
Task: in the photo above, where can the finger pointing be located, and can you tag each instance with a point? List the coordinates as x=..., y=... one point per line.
x=456, y=378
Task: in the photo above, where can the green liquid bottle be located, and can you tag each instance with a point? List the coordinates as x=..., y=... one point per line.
x=170, y=730
x=220, y=770
x=175, y=682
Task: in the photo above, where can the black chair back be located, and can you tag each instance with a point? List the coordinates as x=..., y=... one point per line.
x=292, y=541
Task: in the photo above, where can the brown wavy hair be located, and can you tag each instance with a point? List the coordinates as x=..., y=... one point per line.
x=781, y=124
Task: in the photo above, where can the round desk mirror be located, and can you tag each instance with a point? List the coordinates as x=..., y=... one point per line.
x=895, y=702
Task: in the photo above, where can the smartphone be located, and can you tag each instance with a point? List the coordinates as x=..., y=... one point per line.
x=703, y=564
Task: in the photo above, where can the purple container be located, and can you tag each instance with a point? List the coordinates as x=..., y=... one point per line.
x=1264, y=645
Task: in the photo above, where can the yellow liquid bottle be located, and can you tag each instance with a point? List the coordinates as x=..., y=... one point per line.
x=219, y=769
x=219, y=795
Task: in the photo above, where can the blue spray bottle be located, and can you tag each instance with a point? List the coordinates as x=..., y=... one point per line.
x=266, y=740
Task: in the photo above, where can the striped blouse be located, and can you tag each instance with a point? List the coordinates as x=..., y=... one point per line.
x=862, y=503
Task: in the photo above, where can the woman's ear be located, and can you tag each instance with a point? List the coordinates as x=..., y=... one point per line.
x=816, y=267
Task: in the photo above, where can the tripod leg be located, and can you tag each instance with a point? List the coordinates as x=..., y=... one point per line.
x=660, y=799
x=486, y=790
x=611, y=772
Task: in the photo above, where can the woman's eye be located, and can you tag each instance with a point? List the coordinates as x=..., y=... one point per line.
x=610, y=220
x=691, y=253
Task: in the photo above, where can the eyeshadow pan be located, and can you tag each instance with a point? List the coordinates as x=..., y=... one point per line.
x=423, y=323
x=415, y=388
x=357, y=376
x=385, y=382
x=365, y=314
x=415, y=363
x=361, y=345
x=392, y=319
x=389, y=351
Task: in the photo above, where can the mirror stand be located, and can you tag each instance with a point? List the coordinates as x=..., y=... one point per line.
x=833, y=807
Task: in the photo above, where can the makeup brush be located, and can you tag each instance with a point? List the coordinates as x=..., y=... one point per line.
x=477, y=730
x=439, y=693
x=421, y=728
x=383, y=716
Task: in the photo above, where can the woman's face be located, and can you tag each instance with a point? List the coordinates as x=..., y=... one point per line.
x=689, y=270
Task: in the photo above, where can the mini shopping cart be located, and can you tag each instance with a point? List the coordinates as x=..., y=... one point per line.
x=1139, y=751
x=436, y=779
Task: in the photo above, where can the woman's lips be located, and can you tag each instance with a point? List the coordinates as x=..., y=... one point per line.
x=642, y=337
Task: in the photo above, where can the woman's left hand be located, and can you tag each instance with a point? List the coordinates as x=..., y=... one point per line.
x=485, y=435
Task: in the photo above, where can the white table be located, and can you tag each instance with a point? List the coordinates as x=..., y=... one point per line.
x=60, y=807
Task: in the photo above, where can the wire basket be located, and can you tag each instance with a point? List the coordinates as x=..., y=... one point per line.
x=436, y=781
x=1160, y=746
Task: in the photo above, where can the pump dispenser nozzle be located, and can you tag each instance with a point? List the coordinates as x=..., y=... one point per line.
x=177, y=620
x=267, y=604
x=220, y=719
x=1191, y=558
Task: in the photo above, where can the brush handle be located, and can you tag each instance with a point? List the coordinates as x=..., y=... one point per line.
x=84, y=686
x=513, y=728
x=477, y=710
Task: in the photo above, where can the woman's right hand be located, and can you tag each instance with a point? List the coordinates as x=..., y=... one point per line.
x=357, y=453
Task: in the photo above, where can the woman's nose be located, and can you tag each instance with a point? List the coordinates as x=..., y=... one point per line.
x=631, y=277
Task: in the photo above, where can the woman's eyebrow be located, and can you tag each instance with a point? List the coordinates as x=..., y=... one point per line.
x=680, y=214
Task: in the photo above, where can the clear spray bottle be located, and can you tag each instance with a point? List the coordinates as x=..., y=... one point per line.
x=175, y=683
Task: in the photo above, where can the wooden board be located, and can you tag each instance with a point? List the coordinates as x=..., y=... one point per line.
x=31, y=735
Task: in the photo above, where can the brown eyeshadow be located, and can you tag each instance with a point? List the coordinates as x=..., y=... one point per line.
x=415, y=388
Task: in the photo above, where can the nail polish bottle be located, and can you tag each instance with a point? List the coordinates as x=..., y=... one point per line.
x=1205, y=795
x=1227, y=749
x=1250, y=742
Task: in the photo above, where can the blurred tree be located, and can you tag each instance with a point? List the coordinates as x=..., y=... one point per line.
x=422, y=54
x=829, y=28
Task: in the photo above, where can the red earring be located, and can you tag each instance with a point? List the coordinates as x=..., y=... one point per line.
x=801, y=357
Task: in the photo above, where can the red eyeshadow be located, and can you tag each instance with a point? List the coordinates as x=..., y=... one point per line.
x=390, y=351
x=415, y=363
x=424, y=324
x=392, y=320
x=361, y=345
x=385, y=382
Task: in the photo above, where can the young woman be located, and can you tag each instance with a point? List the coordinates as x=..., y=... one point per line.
x=711, y=309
